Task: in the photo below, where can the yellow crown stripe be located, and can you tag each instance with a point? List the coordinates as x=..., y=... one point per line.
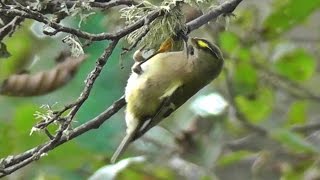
x=203, y=44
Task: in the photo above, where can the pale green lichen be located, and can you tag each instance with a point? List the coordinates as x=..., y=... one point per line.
x=163, y=27
x=75, y=45
x=160, y=29
x=45, y=115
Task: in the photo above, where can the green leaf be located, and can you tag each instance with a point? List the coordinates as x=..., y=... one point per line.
x=228, y=41
x=137, y=170
x=297, y=65
x=244, y=54
x=292, y=174
x=23, y=123
x=20, y=47
x=233, y=158
x=288, y=14
x=258, y=107
x=73, y=155
x=24, y=119
x=7, y=137
x=246, y=18
x=297, y=114
x=293, y=141
x=245, y=79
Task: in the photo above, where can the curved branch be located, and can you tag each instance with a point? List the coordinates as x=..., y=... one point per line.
x=81, y=34
x=225, y=8
x=113, y=3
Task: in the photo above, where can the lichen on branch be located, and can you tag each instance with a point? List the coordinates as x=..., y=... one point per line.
x=172, y=21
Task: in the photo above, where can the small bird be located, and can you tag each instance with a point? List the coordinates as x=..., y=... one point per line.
x=166, y=82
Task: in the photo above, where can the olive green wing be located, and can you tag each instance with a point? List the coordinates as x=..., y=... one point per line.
x=168, y=106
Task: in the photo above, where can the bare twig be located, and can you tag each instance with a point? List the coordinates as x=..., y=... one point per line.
x=52, y=5
x=13, y=163
x=40, y=151
x=81, y=34
x=293, y=88
x=225, y=8
x=9, y=28
x=306, y=129
x=113, y=3
x=102, y=60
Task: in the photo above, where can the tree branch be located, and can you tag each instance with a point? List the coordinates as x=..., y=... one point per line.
x=306, y=129
x=225, y=8
x=81, y=34
x=10, y=27
x=107, y=5
x=13, y=163
x=293, y=88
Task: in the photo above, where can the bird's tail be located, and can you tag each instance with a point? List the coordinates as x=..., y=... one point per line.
x=122, y=147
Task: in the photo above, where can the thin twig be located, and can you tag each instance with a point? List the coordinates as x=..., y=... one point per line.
x=65, y=125
x=102, y=60
x=293, y=88
x=306, y=129
x=225, y=8
x=13, y=163
x=107, y=5
x=9, y=28
x=81, y=34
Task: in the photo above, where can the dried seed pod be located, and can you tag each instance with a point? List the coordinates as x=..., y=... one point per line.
x=41, y=82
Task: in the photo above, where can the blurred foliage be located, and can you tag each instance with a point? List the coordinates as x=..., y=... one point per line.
x=248, y=105
x=298, y=65
x=293, y=141
x=287, y=14
x=281, y=36
x=297, y=113
x=20, y=47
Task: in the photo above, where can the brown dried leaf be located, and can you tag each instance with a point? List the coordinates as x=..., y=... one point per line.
x=42, y=82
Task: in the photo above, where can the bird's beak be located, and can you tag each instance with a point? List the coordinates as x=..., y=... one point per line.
x=193, y=41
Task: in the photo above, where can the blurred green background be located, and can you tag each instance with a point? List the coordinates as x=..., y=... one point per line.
x=271, y=51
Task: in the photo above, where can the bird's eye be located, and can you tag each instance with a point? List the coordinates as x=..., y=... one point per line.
x=190, y=50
